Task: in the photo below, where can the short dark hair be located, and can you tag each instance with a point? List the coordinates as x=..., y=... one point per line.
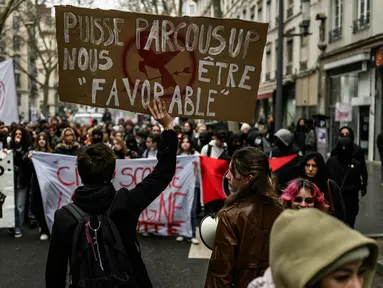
x=155, y=138
x=96, y=165
x=221, y=135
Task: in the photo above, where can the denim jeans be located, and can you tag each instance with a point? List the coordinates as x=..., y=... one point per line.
x=194, y=211
x=20, y=199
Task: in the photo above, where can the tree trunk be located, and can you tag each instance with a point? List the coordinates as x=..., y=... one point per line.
x=45, y=109
x=180, y=4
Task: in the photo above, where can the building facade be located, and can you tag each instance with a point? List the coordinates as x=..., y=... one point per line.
x=29, y=39
x=351, y=75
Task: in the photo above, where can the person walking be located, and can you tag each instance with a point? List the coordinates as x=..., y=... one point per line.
x=241, y=243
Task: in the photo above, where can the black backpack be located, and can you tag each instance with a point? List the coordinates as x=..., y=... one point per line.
x=98, y=256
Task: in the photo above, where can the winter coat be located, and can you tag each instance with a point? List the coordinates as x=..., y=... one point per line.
x=357, y=155
x=303, y=243
x=241, y=245
x=125, y=213
x=74, y=150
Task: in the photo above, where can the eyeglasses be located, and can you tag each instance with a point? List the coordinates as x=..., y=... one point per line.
x=299, y=199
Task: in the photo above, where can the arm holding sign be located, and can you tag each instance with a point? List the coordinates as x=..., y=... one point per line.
x=152, y=186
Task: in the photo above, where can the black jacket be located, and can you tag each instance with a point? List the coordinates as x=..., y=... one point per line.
x=73, y=151
x=125, y=212
x=323, y=182
x=356, y=153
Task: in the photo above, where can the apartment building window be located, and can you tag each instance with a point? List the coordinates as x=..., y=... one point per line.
x=16, y=61
x=259, y=13
x=252, y=13
x=304, y=41
x=362, y=20
x=276, y=13
x=192, y=10
x=17, y=80
x=16, y=43
x=16, y=23
x=289, y=66
x=290, y=9
x=268, y=11
x=337, y=20
x=2, y=2
x=244, y=14
x=268, y=65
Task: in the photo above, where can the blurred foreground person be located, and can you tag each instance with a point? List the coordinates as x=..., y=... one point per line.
x=310, y=249
x=97, y=233
x=242, y=238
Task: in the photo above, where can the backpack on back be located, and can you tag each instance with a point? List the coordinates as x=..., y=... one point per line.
x=98, y=256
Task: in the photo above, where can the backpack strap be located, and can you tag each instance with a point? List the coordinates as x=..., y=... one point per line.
x=209, y=148
x=76, y=212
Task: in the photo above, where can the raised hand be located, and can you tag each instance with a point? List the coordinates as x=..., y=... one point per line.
x=159, y=112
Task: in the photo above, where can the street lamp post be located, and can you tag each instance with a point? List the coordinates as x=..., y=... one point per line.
x=304, y=26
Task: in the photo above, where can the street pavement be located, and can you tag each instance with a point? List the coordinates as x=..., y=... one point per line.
x=169, y=263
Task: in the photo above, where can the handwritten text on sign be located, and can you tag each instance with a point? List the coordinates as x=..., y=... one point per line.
x=169, y=214
x=203, y=68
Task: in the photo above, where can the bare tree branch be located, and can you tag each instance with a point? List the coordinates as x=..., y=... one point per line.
x=9, y=8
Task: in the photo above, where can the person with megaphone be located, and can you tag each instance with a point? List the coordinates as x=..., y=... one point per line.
x=241, y=244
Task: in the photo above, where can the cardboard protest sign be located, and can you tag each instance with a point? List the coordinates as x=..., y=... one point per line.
x=202, y=67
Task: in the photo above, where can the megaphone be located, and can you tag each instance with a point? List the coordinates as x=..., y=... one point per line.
x=207, y=230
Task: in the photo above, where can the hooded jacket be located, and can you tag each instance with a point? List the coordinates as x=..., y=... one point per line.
x=324, y=184
x=300, y=242
x=357, y=154
x=215, y=150
x=125, y=212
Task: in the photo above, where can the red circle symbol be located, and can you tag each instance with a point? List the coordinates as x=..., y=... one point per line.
x=169, y=68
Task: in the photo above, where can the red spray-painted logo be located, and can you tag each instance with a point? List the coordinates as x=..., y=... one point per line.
x=166, y=68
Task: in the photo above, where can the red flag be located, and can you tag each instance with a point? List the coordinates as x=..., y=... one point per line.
x=213, y=173
x=276, y=163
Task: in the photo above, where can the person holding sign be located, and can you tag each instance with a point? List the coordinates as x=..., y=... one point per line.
x=97, y=196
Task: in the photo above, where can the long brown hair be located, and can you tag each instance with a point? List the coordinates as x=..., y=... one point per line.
x=252, y=161
x=47, y=144
x=122, y=144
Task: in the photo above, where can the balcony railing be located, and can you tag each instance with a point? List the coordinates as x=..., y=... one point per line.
x=289, y=69
x=361, y=24
x=335, y=34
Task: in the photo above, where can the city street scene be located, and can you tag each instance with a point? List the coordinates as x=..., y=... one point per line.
x=191, y=143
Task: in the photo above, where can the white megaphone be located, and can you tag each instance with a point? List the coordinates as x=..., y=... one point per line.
x=207, y=230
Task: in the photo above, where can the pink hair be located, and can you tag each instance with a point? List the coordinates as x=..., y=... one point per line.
x=297, y=184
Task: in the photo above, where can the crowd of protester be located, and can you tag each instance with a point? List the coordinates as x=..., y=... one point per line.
x=256, y=198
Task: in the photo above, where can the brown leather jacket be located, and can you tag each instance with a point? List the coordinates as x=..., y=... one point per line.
x=241, y=247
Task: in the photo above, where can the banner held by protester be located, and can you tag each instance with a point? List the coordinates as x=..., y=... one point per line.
x=202, y=67
x=7, y=190
x=168, y=215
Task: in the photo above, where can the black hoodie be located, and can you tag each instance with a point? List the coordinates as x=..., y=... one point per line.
x=125, y=213
x=321, y=179
x=357, y=154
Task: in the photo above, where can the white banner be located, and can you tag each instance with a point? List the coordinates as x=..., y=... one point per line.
x=168, y=215
x=7, y=191
x=9, y=111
